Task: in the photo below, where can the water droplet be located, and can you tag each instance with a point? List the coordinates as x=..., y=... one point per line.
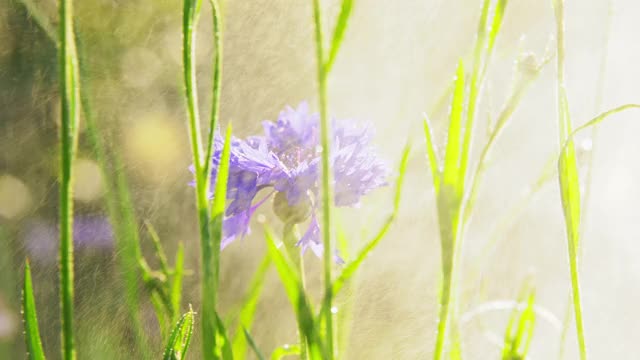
x=334, y=310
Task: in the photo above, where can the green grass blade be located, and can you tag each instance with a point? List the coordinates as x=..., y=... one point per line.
x=520, y=328
x=31, y=329
x=295, y=293
x=350, y=269
x=70, y=118
x=249, y=305
x=485, y=40
x=451, y=172
x=217, y=83
x=176, y=281
x=211, y=253
x=494, y=29
x=223, y=349
x=157, y=247
x=338, y=33
x=598, y=119
x=286, y=350
x=253, y=344
x=180, y=338
x=434, y=163
x=568, y=178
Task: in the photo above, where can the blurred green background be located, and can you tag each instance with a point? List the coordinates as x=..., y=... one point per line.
x=397, y=60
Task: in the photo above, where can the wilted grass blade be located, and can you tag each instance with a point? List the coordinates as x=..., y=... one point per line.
x=338, y=33
x=248, y=308
x=180, y=338
x=31, y=329
x=253, y=345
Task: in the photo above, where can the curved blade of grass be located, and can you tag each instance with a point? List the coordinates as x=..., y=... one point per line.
x=249, y=305
x=286, y=350
x=598, y=119
x=338, y=33
x=180, y=338
x=351, y=268
x=503, y=118
x=295, y=293
x=217, y=83
x=31, y=329
x=253, y=345
x=70, y=119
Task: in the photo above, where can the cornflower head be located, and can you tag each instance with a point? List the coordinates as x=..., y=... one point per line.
x=285, y=162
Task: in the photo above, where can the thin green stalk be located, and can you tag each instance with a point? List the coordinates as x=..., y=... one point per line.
x=217, y=83
x=589, y=157
x=290, y=239
x=210, y=219
x=568, y=179
x=69, y=90
x=503, y=118
x=118, y=199
x=326, y=172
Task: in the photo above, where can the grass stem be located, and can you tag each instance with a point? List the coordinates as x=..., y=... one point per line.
x=69, y=90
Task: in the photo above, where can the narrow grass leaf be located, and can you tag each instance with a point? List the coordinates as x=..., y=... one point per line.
x=295, y=292
x=338, y=33
x=176, y=281
x=31, y=329
x=520, y=328
x=434, y=163
x=249, y=305
x=180, y=338
x=69, y=121
x=253, y=344
x=223, y=349
x=568, y=178
x=450, y=175
x=351, y=268
x=598, y=119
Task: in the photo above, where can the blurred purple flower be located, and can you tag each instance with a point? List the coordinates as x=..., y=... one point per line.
x=90, y=232
x=286, y=160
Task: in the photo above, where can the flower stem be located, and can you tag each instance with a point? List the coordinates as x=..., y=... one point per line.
x=326, y=173
x=69, y=90
x=290, y=238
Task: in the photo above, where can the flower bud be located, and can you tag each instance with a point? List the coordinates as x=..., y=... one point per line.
x=291, y=214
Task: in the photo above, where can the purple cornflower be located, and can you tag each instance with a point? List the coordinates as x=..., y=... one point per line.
x=286, y=163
